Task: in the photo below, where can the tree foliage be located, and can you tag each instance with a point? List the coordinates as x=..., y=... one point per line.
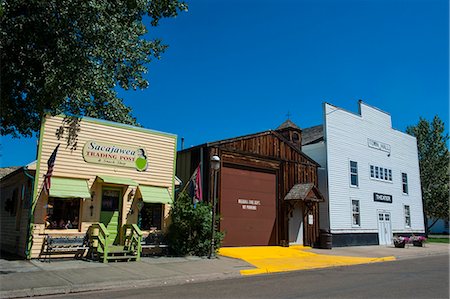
x=190, y=230
x=67, y=56
x=434, y=166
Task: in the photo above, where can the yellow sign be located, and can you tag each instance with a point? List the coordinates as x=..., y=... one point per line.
x=115, y=155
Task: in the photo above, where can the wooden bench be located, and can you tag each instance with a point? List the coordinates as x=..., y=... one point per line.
x=154, y=243
x=66, y=244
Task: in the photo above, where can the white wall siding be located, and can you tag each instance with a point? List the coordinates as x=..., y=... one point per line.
x=346, y=138
x=317, y=152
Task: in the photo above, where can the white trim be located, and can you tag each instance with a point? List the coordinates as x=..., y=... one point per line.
x=407, y=182
x=352, y=212
x=350, y=174
x=374, y=178
x=404, y=216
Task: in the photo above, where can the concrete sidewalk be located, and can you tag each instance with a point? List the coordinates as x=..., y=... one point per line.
x=32, y=278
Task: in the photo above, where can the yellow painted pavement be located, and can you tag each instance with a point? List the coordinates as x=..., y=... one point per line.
x=271, y=259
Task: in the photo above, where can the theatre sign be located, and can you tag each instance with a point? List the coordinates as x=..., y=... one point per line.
x=115, y=155
x=382, y=197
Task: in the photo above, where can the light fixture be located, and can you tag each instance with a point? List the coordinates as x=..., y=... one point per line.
x=215, y=166
x=215, y=162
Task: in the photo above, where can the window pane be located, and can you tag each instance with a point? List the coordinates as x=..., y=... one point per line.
x=372, y=171
x=353, y=173
x=62, y=213
x=390, y=175
x=110, y=200
x=150, y=216
x=407, y=216
x=376, y=172
x=386, y=174
x=355, y=212
x=405, y=183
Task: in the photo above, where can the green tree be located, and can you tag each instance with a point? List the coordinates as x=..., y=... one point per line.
x=190, y=229
x=68, y=56
x=434, y=167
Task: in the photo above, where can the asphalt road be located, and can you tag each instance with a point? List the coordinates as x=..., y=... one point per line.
x=426, y=277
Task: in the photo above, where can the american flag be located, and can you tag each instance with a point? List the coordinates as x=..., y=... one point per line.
x=50, y=165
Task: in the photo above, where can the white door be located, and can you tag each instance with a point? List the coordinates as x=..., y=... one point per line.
x=384, y=228
x=296, y=226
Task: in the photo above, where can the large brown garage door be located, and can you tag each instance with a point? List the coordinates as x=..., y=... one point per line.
x=248, y=207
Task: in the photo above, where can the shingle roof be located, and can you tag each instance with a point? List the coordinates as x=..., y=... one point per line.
x=288, y=124
x=312, y=135
x=303, y=192
x=4, y=171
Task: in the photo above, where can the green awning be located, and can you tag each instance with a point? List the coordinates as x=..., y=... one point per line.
x=69, y=188
x=117, y=180
x=151, y=194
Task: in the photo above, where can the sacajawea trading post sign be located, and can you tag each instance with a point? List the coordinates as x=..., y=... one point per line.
x=114, y=154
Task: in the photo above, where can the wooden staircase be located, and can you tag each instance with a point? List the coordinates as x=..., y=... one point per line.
x=118, y=253
x=102, y=250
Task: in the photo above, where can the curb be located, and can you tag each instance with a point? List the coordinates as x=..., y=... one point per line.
x=79, y=288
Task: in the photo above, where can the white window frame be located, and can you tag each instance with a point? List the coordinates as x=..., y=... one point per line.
x=405, y=184
x=384, y=174
x=358, y=212
x=407, y=216
x=353, y=174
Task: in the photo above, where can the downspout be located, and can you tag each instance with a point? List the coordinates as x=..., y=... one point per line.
x=27, y=249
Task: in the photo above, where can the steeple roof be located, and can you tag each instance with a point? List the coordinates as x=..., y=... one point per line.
x=288, y=124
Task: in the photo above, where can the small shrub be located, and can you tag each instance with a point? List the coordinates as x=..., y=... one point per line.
x=190, y=229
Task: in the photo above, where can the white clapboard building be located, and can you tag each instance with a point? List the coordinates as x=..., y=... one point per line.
x=369, y=176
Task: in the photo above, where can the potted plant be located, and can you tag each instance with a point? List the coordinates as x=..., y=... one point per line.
x=418, y=240
x=400, y=241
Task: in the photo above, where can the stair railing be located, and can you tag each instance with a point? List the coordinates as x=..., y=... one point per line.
x=133, y=238
x=99, y=236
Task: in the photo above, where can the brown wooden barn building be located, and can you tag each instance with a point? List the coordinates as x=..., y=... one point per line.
x=267, y=187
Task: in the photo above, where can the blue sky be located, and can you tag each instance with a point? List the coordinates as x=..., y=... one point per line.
x=238, y=67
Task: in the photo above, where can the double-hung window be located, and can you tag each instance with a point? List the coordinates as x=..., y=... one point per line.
x=356, y=217
x=404, y=183
x=407, y=216
x=354, y=173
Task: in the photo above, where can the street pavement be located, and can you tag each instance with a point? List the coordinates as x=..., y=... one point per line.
x=32, y=278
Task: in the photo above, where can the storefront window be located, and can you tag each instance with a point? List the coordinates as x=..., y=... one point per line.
x=150, y=216
x=63, y=213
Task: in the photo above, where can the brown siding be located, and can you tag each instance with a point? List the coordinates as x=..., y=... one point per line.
x=293, y=167
x=263, y=151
